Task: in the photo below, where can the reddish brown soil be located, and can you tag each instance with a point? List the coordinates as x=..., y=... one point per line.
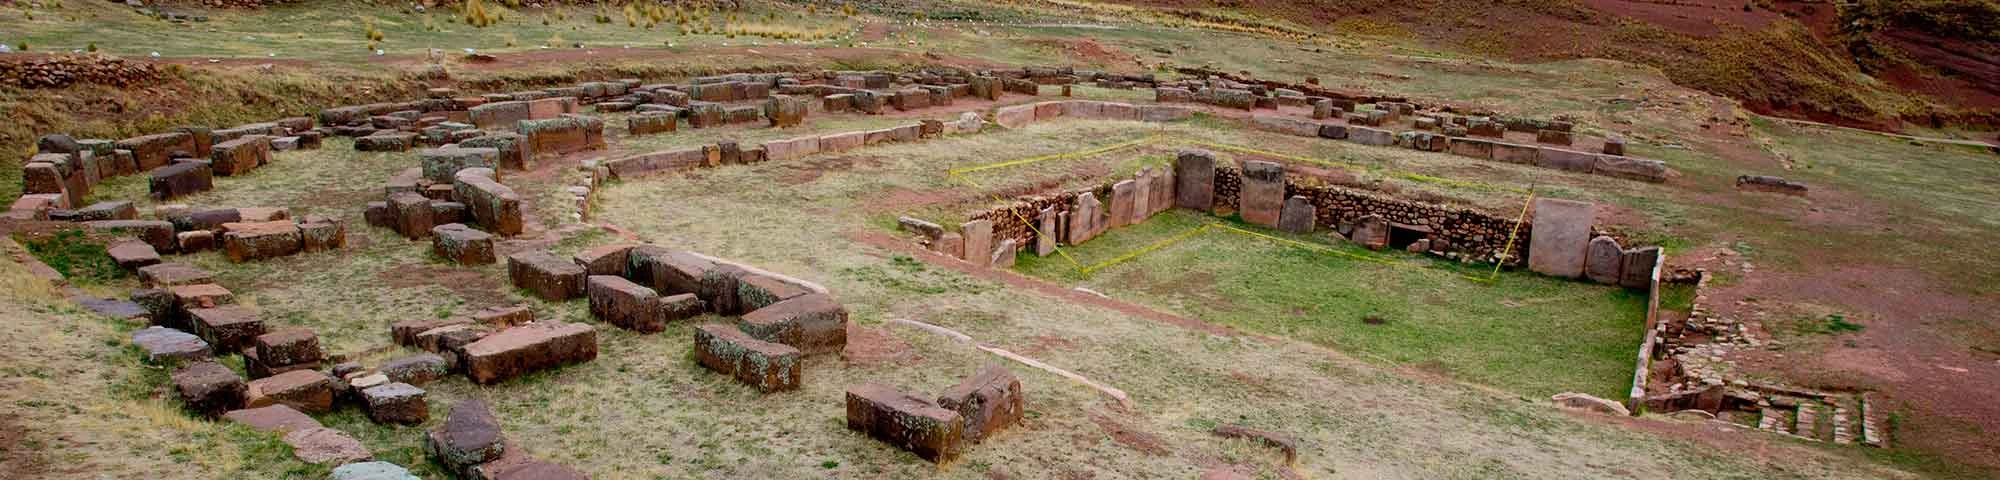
x=801, y=55
x=1699, y=18
x=1129, y=437
x=873, y=346
x=892, y=243
x=17, y=458
x=476, y=287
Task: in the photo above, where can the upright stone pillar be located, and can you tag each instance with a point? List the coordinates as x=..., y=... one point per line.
x=1194, y=180
x=1637, y=271
x=1045, y=235
x=1298, y=215
x=1142, y=196
x=1561, y=237
x=978, y=241
x=1263, y=193
x=1123, y=198
x=1605, y=260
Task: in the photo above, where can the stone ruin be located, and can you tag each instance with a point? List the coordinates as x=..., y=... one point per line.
x=419, y=207
x=1381, y=121
x=470, y=444
x=968, y=413
x=60, y=175
x=644, y=288
x=195, y=320
x=1684, y=374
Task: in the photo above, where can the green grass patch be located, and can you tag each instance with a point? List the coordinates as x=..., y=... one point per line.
x=78, y=258
x=1525, y=333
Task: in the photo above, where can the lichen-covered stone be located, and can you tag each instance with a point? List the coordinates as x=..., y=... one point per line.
x=546, y=275
x=933, y=433
x=768, y=366
x=813, y=323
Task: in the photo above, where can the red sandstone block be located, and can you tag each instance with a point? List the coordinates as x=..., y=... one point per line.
x=528, y=348
x=910, y=423
x=813, y=323
x=768, y=366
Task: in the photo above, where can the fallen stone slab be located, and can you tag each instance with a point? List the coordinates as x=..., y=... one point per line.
x=758, y=291
x=727, y=350
x=461, y=244
x=411, y=214
x=812, y=323
x=546, y=275
x=157, y=233
x=241, y=155
x=1585, y=402
x=306, y=390
x=470, y=436
x=321, y=446
x=279, y=419
x=933, y=433
x=289, y=346
x=442, y=164
x=210, y=389
x=132, y=254
x=504, y=317
x=405, y=332
x=620, y=302
x=171, y=274
x=372, y=471
x=386, y=141
x=988, y=401
x=493, y=206
x=604, y=259
x=226, y=328
x=416, y=369
x=244, y=242
x=399, y=403
x=675, y=272
x=109, y=210
x=322, y=233
x=1282, y=442
x=166, y=346
x=528, y=348
x=528, y=469
x=1766, y=183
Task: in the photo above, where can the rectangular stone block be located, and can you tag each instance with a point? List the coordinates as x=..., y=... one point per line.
x=988, y=401
x=758, y=291
x=812, y=323
x=546, y=275
x=495, y=207
x=727, y=350
x=978, y=236
x=933, y=433
x=625, y=304
x=1194, y=180
x=1561, y=236
x=180, y=179
x=227, y=328
x=528, y=348
x=441, y=165
x=241, y=155
x=1263, y=192
x=262, y=240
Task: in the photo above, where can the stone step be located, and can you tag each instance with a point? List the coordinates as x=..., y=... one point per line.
x=1872, y=417
x=1843, y=432
x=1774, y=420
x=1808, y=421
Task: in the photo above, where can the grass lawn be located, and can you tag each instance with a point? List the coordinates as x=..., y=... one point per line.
x=1525, y=333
